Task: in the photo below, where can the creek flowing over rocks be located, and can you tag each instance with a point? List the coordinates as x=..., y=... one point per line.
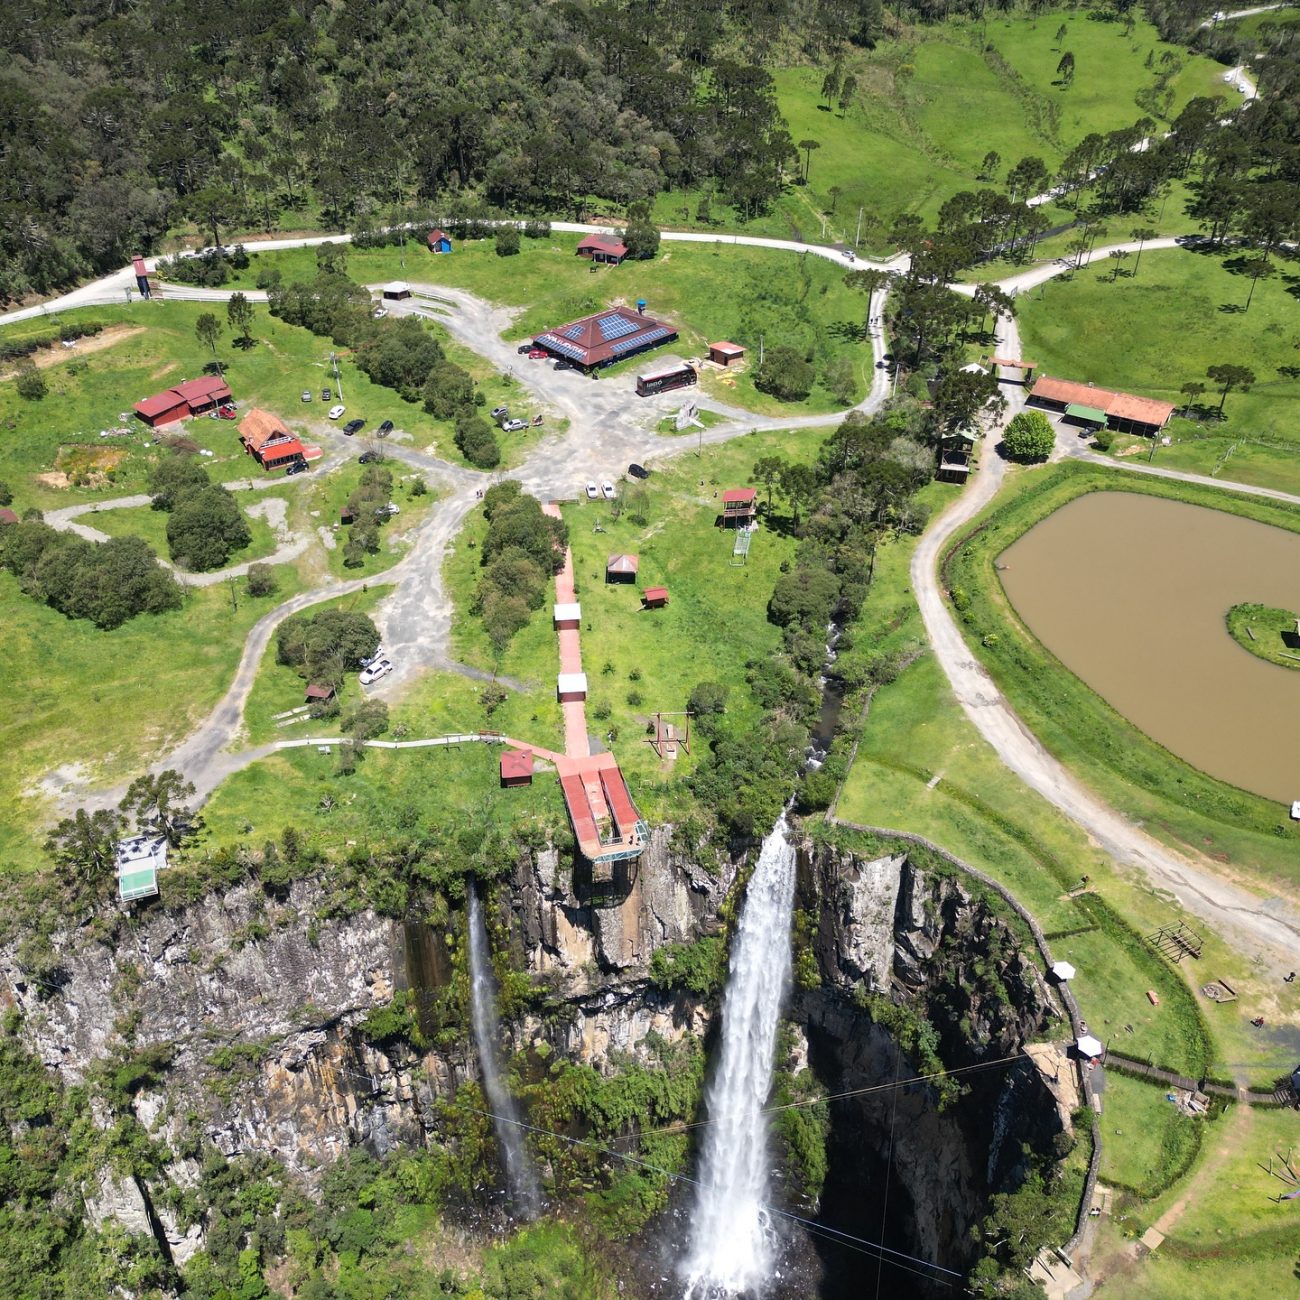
x=267, y=1000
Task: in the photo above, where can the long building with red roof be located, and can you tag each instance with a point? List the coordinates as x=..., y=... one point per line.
x=1123, y=411
x=190, y=397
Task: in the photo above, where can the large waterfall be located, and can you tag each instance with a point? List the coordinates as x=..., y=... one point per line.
x=732, y=1238
x=483, y=1010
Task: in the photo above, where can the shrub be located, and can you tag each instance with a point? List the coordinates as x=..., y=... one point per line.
x=261, y=580
x=31, y=383
x=785, y=373
x=507, y=241
x=1029, y=437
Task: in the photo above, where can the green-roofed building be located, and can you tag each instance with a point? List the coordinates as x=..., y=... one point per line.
x=1077, y=413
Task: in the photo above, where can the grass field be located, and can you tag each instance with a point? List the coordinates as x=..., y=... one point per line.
x=916, y=732
x=1182, y=313
x=143, y=521
x=1145, y=1140
x=708, y=291
x=80, y=703
x=933, y=102
x=639, y=662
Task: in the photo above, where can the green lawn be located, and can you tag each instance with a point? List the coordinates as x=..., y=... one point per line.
x=714, y=623
x=1145, y=1139
x=933, y=102
x=708, y=291
x=1180, y=315
x=105, y=703
x=143, y=521
x=329, y=493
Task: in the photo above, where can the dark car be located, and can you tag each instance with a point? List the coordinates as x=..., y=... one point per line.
x=296, y=467
x=353, y=426
x=638, y=471
x=325, y=395
x=384, y=429
x=524, y=349
x=368, y=457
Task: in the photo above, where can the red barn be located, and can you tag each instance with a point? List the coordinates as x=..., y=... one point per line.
x=516, y=768
x=600, y=248
x=190, y=397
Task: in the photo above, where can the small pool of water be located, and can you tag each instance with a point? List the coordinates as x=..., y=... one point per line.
x=1130, y=592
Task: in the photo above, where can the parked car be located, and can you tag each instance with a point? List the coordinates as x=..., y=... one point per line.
x=336, y=412
x=353, y=426
x=500, y=412
x=325, y=395
x=384, y=429
x=378, y=668
x=296, y=467
x=226, y=411
x=564, y=365
x=638, y=471
x=592, y=491
x=392, y=508
x=513, y=426
x=525, y=349
x=381, y=312
x=368, y=457
x=537, y=354
x=377, y=654
x=306, y=394
x=607, y=490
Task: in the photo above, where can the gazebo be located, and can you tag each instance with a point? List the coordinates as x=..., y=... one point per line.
x=1088, y=1046
x=621, y=568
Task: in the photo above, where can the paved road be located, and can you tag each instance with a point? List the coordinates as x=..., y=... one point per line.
x=1268, y=927
x=1241, y=13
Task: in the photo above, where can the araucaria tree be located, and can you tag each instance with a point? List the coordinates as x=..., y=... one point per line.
x=1065, y=68
x=1231, y=376
x=239, y=312
x=207, y=329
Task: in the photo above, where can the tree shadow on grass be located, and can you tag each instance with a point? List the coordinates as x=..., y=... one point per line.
x=848, y=331
x=1232, y=309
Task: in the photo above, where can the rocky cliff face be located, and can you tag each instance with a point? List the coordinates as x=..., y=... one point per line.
x=264, y=1007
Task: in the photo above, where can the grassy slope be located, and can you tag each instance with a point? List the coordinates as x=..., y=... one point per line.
x=107, y=701
x=915, y=729
x=1144, y=1138
x=1180, y=316
x=932, y=104
x=710, y=292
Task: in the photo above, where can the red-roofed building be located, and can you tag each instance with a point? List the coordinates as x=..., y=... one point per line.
x=190, y=397
x=654, y=597
x=602, y=248
x=606, y=822
x=605, y=338
x=621, y=568
x=7, y=516
x=267, y=440
x=516, y=768
x=739, y=506
x=1123, y=411
x=318, y=692
x=439, y=241
x=726, y=354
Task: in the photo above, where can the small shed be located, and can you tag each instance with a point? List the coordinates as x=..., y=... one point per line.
x=602, y=248
x=571, y=688
x=621, y=568
x=726, y=354
x=396, y=291
x=739, y=506
x=439, y=241
x=568, y=616
x=318, y=693
x=7, y=516
x=516, y=768
x=654, y=597
x=1062, y=971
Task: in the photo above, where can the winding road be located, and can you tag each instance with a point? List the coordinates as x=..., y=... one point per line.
x=606, y=431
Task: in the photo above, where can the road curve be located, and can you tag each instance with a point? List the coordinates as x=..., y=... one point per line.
x=1268, y=927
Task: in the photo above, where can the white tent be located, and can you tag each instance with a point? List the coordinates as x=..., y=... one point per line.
x=1089, y=1046
x=1062, y=970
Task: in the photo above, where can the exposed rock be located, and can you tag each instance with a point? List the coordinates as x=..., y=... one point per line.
x=118, y=1200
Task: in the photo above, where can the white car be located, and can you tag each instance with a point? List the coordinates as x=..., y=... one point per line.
x=378, y=668
x=607, y=490
x=381, y=312
x=514, y=426
x=592, y=491
x=336, y=412
x=380, y=653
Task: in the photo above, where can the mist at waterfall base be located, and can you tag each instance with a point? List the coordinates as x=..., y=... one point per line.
x=733, y=1240
x=525, y=1192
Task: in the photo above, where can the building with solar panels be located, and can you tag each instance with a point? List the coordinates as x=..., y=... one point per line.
x=607, y=337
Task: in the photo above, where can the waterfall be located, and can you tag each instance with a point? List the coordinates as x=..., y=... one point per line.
x=522, y=1181
x=732, y=1239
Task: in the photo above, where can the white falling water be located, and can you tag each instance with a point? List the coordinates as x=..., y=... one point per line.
x=732, y=1240
x=522, y=1181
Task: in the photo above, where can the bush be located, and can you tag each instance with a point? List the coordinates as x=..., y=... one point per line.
x=476, y=440
x=507, y=241
x=708, y=697
x=785, y=373
x=327, y=645
x=1103, y=439
x=31, y=383
x=206, y=528
x=261, y=580
x=1029, y=437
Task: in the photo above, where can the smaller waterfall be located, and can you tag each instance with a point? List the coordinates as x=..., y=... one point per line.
x=520, y=1177
x=732, y=1240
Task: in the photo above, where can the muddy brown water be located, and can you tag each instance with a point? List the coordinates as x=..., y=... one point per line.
x=1130, y=593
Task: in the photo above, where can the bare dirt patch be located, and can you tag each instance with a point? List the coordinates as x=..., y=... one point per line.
x=82, y=464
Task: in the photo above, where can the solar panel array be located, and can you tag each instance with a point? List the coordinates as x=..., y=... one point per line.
x=557, y=344
x=573, y=331
x=616, y=327
x=640, y=341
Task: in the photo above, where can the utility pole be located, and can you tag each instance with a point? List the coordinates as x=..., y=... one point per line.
x=234, y=604
x=857, y=238
x=338, y=378
x=760, y=351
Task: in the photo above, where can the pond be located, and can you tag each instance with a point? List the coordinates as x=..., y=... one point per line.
x=1130, y=592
